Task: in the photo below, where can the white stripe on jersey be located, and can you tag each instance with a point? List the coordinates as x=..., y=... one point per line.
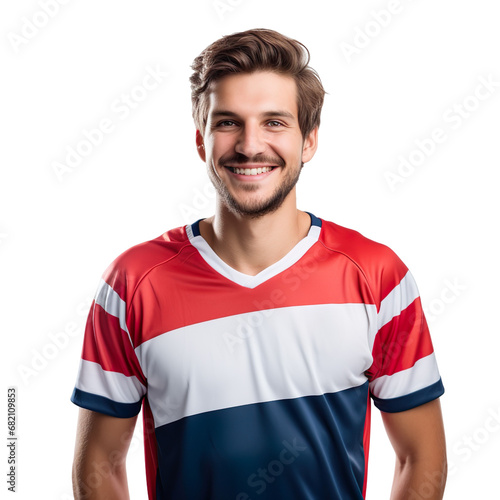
x=255, y=357
x=113, y=385
x=111, y=302
x=422, y=374
x=400, y=297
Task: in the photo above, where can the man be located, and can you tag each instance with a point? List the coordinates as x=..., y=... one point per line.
x=255, y=338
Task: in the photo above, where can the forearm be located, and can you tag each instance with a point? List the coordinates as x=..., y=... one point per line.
x=419, y=479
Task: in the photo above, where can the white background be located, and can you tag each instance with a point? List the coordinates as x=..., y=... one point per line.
x=59, y=233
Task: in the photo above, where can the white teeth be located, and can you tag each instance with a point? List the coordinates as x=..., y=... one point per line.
x=252, y=171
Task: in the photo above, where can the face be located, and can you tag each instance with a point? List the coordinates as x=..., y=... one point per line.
x=253, y=146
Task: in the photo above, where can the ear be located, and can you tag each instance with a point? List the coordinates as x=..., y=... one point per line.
x=310, y=145
x=200, y=147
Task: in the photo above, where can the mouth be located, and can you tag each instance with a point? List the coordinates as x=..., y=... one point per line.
x=251, y=170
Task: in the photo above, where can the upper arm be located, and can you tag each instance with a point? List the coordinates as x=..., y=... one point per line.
x=418, y=433
x=101, y=448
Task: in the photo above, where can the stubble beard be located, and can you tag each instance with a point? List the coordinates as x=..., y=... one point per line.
x=256, y=208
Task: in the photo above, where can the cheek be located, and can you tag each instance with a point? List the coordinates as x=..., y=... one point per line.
x=221, y=147
x=287, y=146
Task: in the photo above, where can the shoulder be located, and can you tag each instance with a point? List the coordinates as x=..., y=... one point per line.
x=126, y=271
x=379, y=264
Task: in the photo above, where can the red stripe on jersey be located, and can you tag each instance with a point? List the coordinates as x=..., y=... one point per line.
x=127, y=270
x=113, y=352
x=169, y=298
x=380, y=265
x=401, y=342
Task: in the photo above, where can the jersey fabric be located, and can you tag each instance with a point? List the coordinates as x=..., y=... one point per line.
x=257, y=386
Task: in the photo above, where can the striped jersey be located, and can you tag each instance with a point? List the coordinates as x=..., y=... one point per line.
x=257, y=386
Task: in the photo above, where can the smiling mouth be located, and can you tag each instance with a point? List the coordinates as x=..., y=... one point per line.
x=250, y=171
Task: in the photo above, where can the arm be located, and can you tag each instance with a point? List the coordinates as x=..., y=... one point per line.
x=417, y=436
x=101, y=448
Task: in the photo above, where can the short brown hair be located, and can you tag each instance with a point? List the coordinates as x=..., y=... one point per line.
x=258, y=50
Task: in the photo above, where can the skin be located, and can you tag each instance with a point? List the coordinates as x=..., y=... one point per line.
x=257, y=132
x=253, y=122
x=418, y=439
x=101, y=448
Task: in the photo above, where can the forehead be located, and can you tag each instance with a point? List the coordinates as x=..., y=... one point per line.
x=256, y=92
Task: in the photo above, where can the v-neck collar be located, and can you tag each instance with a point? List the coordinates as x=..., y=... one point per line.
x=216, y=263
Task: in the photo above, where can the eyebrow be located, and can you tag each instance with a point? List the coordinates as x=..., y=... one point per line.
x=267, y=114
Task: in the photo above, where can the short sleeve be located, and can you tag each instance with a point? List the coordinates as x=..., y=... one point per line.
x=110, y=379
x=404, y=373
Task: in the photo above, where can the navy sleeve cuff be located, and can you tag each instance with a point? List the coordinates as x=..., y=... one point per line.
x=412, y=400
x=104, y=405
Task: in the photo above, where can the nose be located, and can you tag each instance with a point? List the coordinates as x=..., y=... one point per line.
x=250, y=140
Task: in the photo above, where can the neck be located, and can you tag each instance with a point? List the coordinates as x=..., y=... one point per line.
x=251, y=245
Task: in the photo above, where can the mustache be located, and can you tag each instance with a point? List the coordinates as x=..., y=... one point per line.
x=240, y=159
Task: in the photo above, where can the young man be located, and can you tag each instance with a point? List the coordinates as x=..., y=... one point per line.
x=254, y=339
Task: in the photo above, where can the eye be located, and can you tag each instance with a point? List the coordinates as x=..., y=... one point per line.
x=225, y=123
x=274, y=123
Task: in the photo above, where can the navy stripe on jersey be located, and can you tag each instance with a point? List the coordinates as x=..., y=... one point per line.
x=315, y=221
x=105, y=405
x=410, y=400
x=195, y=228
x=275, y=450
